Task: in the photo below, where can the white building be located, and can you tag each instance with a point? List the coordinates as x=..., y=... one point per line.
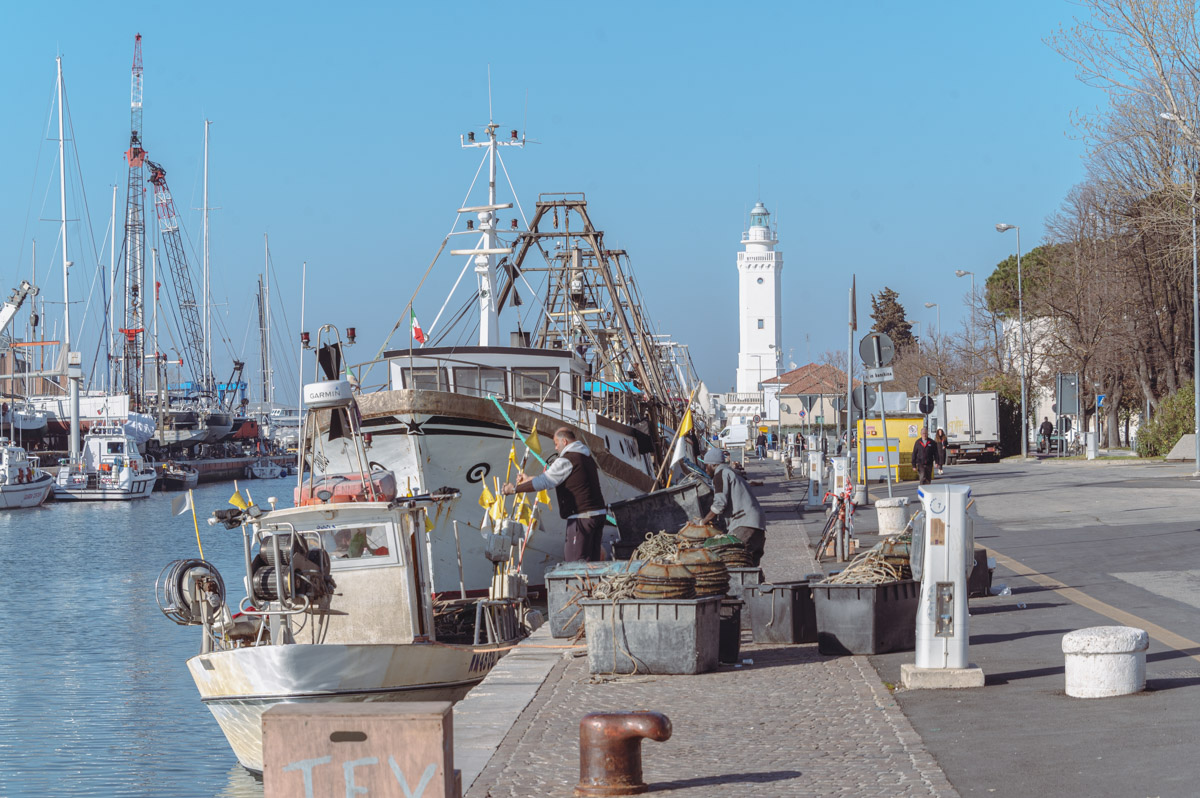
x=759, y=304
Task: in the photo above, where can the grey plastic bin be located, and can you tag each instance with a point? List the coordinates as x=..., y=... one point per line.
x=651, y=636
x=664, y=510
x=782, y=612
x=568, y=583
x=866, y=619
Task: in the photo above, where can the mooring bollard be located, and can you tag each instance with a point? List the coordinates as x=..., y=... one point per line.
x=610, y=751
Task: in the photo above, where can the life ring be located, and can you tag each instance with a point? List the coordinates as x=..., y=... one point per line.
x=20, y=475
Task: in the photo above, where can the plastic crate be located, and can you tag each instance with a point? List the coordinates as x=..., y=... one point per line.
x=729, y=649
x=782, y=613
x=644, y=636
x=866, y=619
x=979, y=583
x=568, y=583
x=661, y=511
x=739, y=578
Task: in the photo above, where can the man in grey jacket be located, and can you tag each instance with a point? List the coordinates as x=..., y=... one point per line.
x=733, y=501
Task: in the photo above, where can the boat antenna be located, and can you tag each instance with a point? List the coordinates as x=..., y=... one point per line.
x=489, y=73
x=525, y=121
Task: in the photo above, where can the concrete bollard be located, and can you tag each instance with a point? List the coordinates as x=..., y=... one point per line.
x=1105, y=661
x=610, y=751
x=892, y=515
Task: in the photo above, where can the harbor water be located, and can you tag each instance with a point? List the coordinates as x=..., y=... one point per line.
x=96, y=698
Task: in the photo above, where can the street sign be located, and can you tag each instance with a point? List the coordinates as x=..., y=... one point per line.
x=1100, y=400
x=925, y=405
x=876, y=350
x=839, y=403
x=926, y=385
x=808, y=401
x=873, y=376
x=863, y=397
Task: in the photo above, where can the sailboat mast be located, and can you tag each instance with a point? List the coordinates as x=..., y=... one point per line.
x=206, y=376
x=262, y=350
x=112, y=287
x=267, y=375
x=62, y=198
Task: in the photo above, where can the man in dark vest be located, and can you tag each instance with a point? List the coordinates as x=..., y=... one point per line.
x=576, y=481
x=924, y=456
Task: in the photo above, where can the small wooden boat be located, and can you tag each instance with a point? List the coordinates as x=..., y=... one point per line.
x=176, y=476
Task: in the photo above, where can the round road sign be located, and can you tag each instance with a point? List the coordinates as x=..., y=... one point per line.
x=863, y=397
x=927, y=385
x=876, y=350
x=926, y=404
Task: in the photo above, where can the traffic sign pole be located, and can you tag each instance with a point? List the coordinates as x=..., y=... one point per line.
x=887, y=460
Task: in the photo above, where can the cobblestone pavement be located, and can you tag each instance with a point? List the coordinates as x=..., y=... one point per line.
x=793, y=723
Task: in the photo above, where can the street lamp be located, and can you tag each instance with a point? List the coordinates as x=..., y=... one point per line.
x=964, y=273
x=1004, y=228
x=1195, y=320
x=937, y=348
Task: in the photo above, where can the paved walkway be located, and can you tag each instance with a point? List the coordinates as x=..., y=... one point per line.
x=791, y=723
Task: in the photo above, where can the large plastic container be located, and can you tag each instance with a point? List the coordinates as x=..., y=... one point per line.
x=979, y=583
x=663, y=637
x=739, y=578
x=729, y=649
x=663, y=510
x=782, y=612
x=567, y=584
x=866, y=619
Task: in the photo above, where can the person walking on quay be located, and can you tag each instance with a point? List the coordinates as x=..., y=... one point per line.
x=760, y=445
x=924, y=456
x=576, y=481
x=939, y=438
x=1044, y=433
x=736, y=505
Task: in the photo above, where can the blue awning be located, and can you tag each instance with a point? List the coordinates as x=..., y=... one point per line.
x=604, y=386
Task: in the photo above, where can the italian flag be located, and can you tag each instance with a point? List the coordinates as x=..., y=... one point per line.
x=417, y=333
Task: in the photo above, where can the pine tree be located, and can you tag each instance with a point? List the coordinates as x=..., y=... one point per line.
x=889, y=318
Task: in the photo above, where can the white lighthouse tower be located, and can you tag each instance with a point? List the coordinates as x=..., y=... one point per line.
x=761, y=320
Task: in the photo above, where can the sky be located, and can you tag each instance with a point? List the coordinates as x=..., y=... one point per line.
x=888, y=140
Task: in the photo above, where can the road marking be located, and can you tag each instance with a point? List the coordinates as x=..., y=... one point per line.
x=1181, y=586
x=1168, y=638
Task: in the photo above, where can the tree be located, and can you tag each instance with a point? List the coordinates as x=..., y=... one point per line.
x=890, y=319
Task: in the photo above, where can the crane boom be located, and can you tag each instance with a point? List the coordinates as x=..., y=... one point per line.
x=9, y=309
x=189, y=312
x=132, y=371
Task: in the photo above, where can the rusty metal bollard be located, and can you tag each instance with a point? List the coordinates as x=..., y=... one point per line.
x=610, y=751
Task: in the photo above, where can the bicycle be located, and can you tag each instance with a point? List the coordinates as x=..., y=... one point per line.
x=841, y=516
x=787, y=467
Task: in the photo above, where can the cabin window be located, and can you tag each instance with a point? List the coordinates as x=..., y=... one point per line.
x=535, y=385
x=359, y=543
x=426, y=379
x=116, y=447
x=576, y=390
x=480, y=382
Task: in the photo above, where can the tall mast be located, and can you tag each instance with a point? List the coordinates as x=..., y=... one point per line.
x=112, y=287
x=135, y=240
x=267, y=375
x=262, y=347
x=62, y=199
x=206, y=377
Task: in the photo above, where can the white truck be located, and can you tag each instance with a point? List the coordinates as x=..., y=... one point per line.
x=972, y=425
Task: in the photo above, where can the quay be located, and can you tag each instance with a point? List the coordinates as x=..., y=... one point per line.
x=790, y=721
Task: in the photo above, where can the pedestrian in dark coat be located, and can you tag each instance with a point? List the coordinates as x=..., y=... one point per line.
x=924, y=456
x=939, y=438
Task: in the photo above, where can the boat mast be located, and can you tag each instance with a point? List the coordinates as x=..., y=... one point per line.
x=112, y=287
x=135, y=241
x=206, y=375
x=266, y=298
x=158, y=389
x=73, y=370
x=262, y=351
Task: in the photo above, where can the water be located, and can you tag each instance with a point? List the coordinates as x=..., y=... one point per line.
x=96, y=699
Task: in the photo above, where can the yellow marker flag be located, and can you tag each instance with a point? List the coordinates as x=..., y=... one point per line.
x=680, y=450
x=237, y=501
x=512, y=454
x=486, y=499
x=685, y=426
x=532, y=441
x=428, y=523
x=543, y=497
x=524, y=513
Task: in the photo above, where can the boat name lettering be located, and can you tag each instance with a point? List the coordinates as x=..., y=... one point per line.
x=307, y=766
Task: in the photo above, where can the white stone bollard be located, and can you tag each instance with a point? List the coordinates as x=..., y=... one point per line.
x=892, y=515
x=1105, y=661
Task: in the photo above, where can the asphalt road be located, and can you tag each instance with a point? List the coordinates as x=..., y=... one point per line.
x=1124, y=538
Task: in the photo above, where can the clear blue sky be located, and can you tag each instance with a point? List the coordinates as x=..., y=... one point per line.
x=889, y=139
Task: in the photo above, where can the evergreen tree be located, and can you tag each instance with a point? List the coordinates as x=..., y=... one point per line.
x=889, y=318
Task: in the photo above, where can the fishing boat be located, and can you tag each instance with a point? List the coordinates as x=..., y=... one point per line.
x=452, y=415
x=25, y=423
x=265, y=468
x=109, y=468
x=340, y=606
x=22, y=482
x=178, y=476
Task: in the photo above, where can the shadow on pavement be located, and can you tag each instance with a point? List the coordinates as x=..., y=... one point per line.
x=1158, y=685
x=1012, y=676
x=1037, y=605
x=983, y=640
x=731, y=778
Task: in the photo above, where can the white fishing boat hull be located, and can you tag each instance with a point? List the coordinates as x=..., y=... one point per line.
x=432, y=440
x=265, y=471
x=28, y=494
x=239, y=685
x=136, y=486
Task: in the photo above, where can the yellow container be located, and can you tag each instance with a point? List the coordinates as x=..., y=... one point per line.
x=902, y=434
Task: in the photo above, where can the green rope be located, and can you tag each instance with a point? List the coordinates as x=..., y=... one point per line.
x=516, y=431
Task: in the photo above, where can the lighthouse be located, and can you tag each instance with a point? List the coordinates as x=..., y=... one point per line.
x=760, y=267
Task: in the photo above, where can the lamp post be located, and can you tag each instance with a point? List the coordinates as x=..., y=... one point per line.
x=1004, y=228
x=1195, y=323
x=937, y=349
x=964, y=273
